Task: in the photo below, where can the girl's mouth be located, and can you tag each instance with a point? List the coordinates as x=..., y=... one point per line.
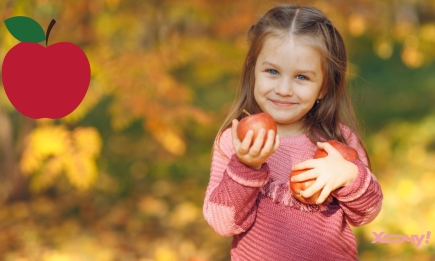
x=282, y=103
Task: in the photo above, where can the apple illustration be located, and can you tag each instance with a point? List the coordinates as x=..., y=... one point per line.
x=43, y=81
x=255, y=122
x=347, y=152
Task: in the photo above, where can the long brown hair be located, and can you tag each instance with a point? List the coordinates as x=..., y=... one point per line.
x=323, y=121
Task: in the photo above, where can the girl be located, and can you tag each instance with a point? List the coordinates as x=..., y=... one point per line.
x=294, y=71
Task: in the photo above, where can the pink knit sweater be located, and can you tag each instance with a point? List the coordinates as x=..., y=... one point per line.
x=268, y=223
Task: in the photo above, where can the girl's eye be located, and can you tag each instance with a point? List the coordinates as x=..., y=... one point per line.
x=273, y=71
x=301, y=77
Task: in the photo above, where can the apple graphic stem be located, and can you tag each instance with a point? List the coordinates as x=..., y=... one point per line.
x=43, y=81
x=49, y=30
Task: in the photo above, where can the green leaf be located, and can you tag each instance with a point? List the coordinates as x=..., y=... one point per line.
x=25, y=29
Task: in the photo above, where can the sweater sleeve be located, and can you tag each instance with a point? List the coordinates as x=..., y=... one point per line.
x=361, y=201
x=230, y=200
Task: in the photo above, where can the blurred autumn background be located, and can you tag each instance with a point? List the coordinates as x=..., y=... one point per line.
x=123, y=177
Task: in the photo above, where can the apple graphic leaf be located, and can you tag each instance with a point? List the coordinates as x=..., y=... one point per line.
x=25, y=29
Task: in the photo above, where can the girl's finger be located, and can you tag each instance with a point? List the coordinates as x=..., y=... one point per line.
x=276, y=144
x=246, y=143
x=268, y=146
x=317, y=186
x=258, y=143
x=323, y=195
x=328, y=148
x=235, y=138
x=308, y=174
x=308, y=164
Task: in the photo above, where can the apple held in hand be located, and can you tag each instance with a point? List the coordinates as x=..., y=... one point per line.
x=347, y=152
x=43, y=81
x=255, y=122
x=297, y=187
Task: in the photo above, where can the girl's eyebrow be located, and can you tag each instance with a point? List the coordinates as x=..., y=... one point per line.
x=299, y=71
x=307, y=72
x=269, y=63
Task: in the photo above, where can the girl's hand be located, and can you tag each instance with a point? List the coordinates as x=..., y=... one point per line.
x=331, y=172
x=254, y=156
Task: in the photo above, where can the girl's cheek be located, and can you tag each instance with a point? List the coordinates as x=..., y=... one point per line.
x=265, y=85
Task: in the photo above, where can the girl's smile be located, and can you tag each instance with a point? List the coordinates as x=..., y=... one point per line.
x=283, y=104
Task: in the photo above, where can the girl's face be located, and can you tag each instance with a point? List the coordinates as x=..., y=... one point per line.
x=288, y=79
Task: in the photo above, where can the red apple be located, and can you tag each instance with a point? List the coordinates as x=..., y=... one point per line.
x=347, y=152
x=297, y=187
x=255, y=122
x=44, y=81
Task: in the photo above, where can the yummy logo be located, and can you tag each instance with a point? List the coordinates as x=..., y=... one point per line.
x=397, y=239
x=43, y=81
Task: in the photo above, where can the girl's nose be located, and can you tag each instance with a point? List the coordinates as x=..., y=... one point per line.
x=284, y=87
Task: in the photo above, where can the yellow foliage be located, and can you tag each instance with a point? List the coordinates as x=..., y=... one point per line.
x=80, y=170
x=356, y=24
x=403, y=164
x=184, y=214
x=163, y=253
x=107, y=183
x=403, y=29
x=416, y=155
x=381, y=148
x=153, y=206
x=121, y=118
x=52, y=149
x=163, y=188
x=87, y=141
x=43, y=142
x=19, y=210
x=412, y=57
x=427, y=32
x=384, y=48
x=187, y=248
x=112, y=4
x=4, y=100
x=426, y=185
x=408, y=191
x=169, y=139
x=51, y=169
x=58, y=256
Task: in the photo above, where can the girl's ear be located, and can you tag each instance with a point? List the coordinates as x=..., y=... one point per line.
x=321, y=93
